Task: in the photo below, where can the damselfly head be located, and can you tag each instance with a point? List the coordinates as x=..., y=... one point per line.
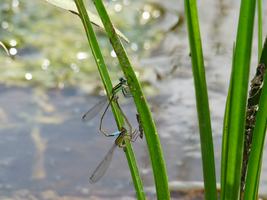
x=122, y=80
x=123, y=130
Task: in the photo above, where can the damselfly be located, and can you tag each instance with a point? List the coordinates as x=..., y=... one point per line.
x=91, y=113
x=119, y=142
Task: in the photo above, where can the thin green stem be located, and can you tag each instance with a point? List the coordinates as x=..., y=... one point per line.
x=226, y=133
x=237, y=101
x=259, y=3
x=4, y=47
x=153, y=143
x=201, y=100
x=108, y=86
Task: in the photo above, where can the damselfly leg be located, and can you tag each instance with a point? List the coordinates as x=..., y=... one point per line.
x=90, y=114
x=138, y=132
x=128, y=124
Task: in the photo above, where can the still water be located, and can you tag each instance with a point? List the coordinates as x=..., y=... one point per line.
x=47, y=152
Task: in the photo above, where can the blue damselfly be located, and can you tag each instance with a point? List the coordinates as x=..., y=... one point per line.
x=102, y=167
x=124, y=134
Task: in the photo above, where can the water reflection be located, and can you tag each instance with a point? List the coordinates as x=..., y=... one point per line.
x=38, y=172
x=13, y=51
x=4, y=25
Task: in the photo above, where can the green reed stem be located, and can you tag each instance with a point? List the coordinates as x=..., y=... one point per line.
x=259, y=9
x=153, y=142
x=226, y=133
x=201, y=100
x=237, y=102
x=255, y=158
x=102, y=68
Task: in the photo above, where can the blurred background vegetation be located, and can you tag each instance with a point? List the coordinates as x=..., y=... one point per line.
x=49, y=48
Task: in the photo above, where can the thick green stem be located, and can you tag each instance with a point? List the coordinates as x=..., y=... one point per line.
x=237, y=102
x=255, y=157
x=259, y=3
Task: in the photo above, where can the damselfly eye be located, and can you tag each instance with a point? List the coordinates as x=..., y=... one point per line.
x=122, y=80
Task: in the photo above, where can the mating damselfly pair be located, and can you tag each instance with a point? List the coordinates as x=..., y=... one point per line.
x=122, y=135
